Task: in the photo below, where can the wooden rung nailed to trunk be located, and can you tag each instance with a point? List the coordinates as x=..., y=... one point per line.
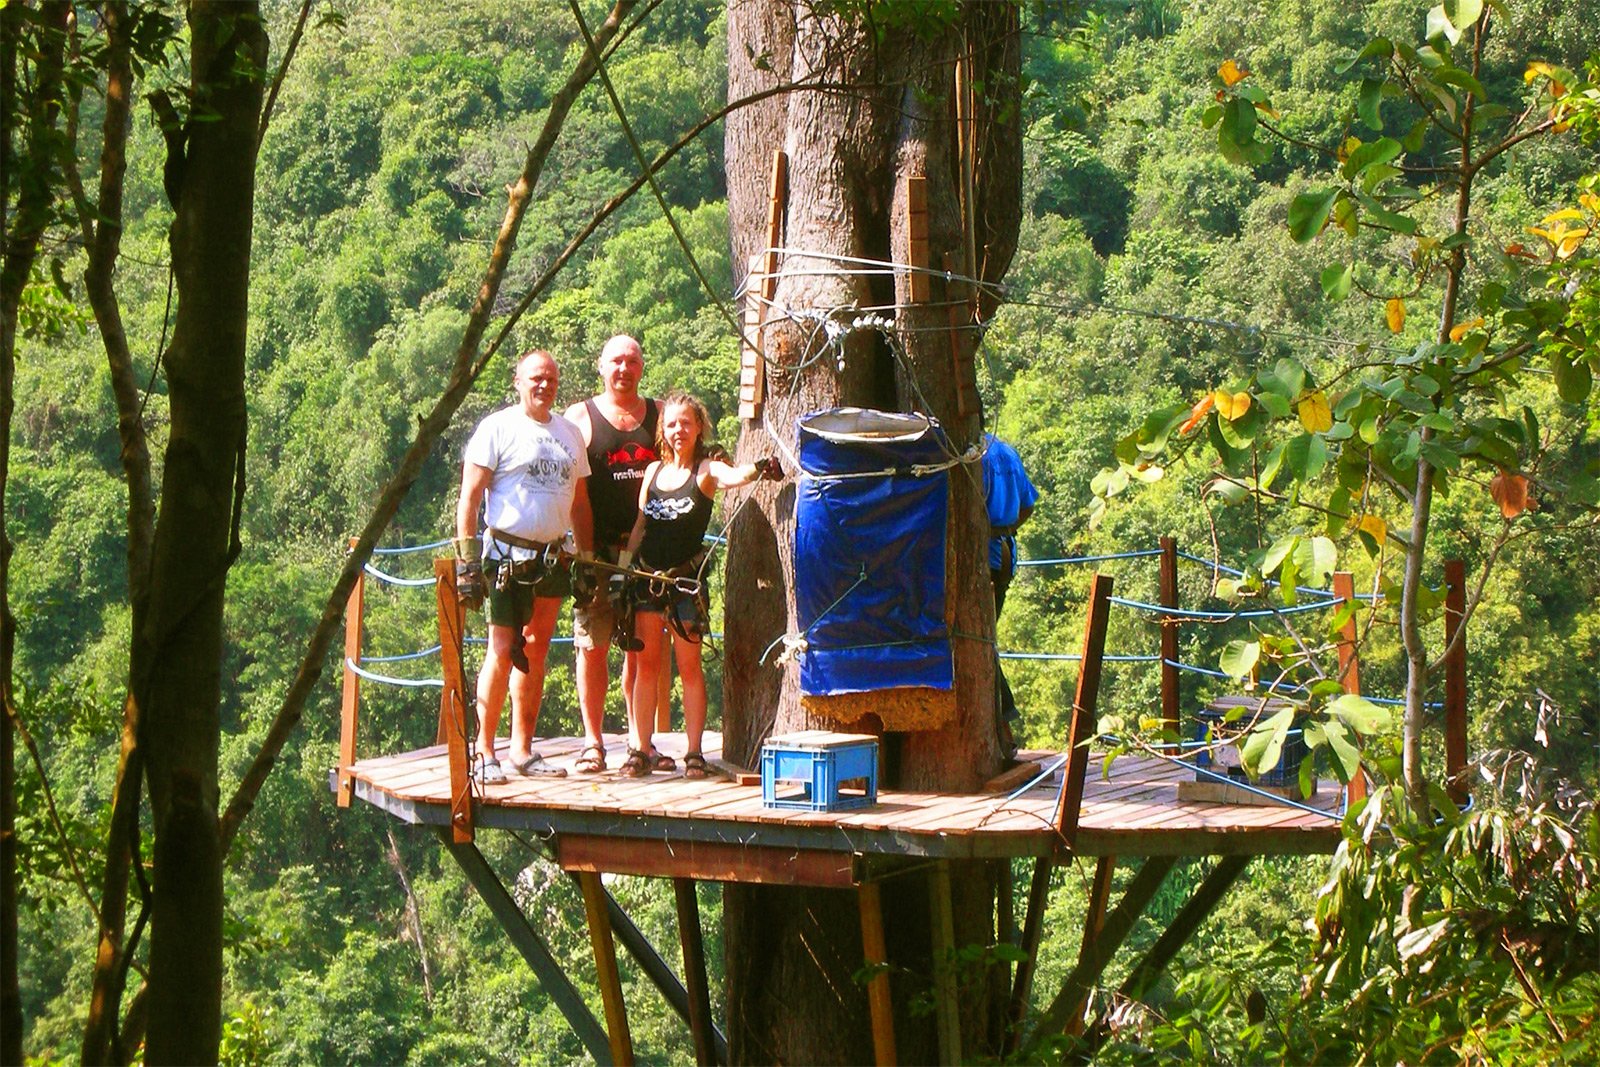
x=917, y=236
x=761, y=285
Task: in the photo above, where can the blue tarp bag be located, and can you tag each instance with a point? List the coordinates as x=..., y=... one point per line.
x=870, y=552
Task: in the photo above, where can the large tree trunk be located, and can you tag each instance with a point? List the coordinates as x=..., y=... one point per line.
x=792, y=954
x=177, y=668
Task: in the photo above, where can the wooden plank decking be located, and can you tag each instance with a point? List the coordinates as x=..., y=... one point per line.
x=1136, y=812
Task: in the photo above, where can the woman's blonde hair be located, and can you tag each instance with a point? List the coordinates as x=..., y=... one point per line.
x=704, y=445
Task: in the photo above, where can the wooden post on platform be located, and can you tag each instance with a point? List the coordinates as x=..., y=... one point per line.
x=1455, y=678
x=876, y=953
x=1349, y=668
x=605, y=965
x=694, y=971
x=1032, y=934
x=1083, y=715
x=947, y=1009
x=1171, y=680
x=455, y=724
x=350, y=699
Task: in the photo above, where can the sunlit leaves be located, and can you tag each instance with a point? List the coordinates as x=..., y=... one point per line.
x=1394, y=314
x=1510, y=491
x=1231, y=406
x=1315, y=414
x=1239, y=658
x=1231, y=73
x=1198, y=413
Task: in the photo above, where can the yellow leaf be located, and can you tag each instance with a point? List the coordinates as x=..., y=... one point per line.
x=1570, y=242
x=1549, y=235
x=1590, y=201
x=1231, y=405
x=1535, y=70
x=1374, y=526
x=1461, y=329
x=1269, y=111
x=1564, y=213
x=1394, y=313
x=1510, y=491
x=1230, y=73
x=1315, y=414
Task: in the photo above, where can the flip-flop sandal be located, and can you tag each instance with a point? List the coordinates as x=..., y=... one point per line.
x=660, y=761
x=592, y=760
x=637, y=765
x=694, y=765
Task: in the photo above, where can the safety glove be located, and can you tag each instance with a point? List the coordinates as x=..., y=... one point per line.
x=769, y=469
x=470, y=587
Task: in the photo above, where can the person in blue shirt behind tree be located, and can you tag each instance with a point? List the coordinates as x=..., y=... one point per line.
x=1010, y=496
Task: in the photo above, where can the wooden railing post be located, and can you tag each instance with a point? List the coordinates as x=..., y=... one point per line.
x=1083, y=716
x=1171, y=681
x=1344, y=590
x=1455, y=678
x=455, y=723
x=350, y=698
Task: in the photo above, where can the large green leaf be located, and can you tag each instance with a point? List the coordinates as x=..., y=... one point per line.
x=1360, y=714
x=1380, y=151
x=1368, y=102
x=1336, y=281
x=1264, y=744
x=1308, y=213
x=1239, y=658
x=1315, y=558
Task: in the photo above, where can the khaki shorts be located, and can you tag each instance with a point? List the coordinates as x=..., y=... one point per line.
x=593, y=622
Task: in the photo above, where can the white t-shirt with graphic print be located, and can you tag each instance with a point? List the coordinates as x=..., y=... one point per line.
x=536, y=469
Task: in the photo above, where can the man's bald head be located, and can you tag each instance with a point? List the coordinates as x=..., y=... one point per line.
x=621, y=364
x=622, y=345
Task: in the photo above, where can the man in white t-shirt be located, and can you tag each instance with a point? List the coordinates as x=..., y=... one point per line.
x=525, y=467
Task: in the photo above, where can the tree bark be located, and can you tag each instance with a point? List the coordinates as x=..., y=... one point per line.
x=177, y=658
x=22, y=229
x=792, y=954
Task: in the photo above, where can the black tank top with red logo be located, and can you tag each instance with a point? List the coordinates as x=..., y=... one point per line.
x=675, y=522
x=617, y=460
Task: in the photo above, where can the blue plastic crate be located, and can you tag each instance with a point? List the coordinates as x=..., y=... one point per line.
x=821, y=761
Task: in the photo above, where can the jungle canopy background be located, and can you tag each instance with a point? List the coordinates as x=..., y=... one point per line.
x=1151, y=270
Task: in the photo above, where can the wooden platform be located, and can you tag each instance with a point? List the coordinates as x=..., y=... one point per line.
x=1135, y=813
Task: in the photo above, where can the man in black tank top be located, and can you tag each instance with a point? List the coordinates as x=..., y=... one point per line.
x=619, y=433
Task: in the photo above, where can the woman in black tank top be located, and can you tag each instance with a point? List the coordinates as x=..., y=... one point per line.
x=674, y=510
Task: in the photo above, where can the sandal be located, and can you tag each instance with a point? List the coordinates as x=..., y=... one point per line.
x=535, y=766
x=637, y=765
x=660, y=761
x=592, y=760
x=694, y=765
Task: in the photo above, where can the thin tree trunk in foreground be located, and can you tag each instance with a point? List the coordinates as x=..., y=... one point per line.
x=177, y=657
